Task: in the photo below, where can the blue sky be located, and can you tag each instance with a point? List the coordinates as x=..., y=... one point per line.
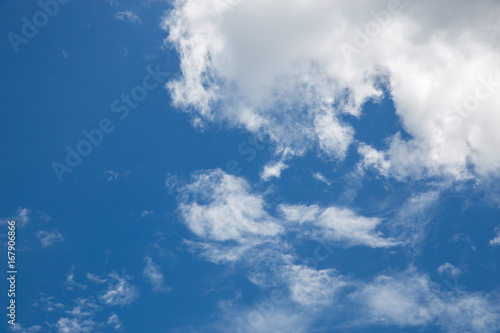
x=257, y=166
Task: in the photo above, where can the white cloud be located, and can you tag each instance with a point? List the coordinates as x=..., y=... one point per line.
x=75, y=325
x=221, y=207
x=67, y=325
x=405, y=299
x=464, y=238
x=112, y=175
x=412, y=217
x=19, y=328
x=267, y=317
x=70, y=282
x=22, y=217
x=230, y=220
x=448, y=269
x=146, y=213
x=153, y=274
x=114, y=321
x=119, y=292
x=129, y=15
x=48, y=238
x=288, y=77
x=220, y=253
x=214, y=201
x=273, y=170
x=333, y=138
x=48, y=304
x=338, y=224
x=83, y=314
x=96, y=279
x=81, y=317
x=300, y=213
x=496, y=240
x=397, y=301
x=281, y=92
x=319, y=176
x=373, y=158
x=411, y=299
x=310, y=287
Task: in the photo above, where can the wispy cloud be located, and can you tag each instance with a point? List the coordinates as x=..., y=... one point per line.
x=87, y=311
x=230, y=220
x=80, y=318
x=48, y=238
x=232, y=223
x=96, y=279
x=496, y=241
x=21, y=329
x=153, y=274
x=273, y=170
x=48, y=303
x=22, y=217
x=449, y=270
x=464, y=238
x=311, y=287
x=70, y=282
x=218, y=207
x=115, y=322
x=119, y=292
x=319, y=176
x=337, y=224
x=146, y=213
x=128, y=15
x=112, y=175
x=412, y=299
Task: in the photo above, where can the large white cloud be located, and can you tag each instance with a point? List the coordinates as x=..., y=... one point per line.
x=291, y=69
